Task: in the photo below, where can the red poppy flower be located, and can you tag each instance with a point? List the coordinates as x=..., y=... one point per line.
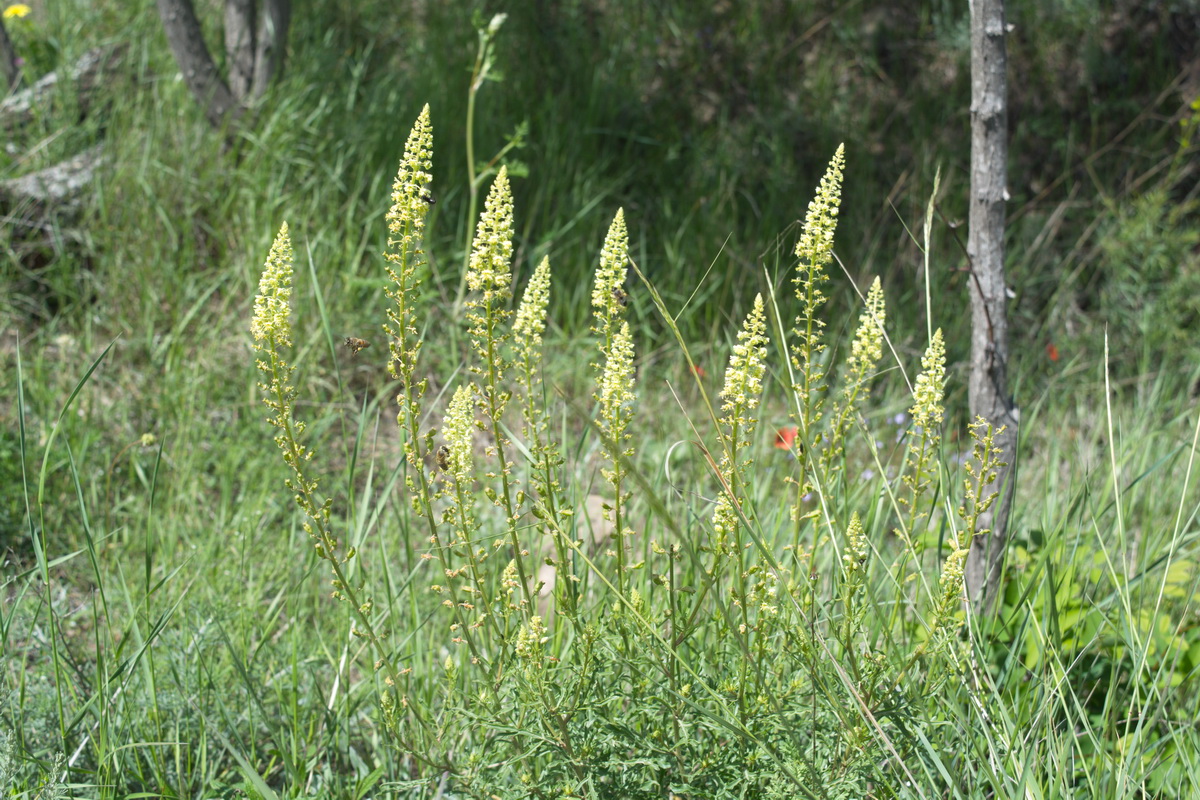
x=700, y=373
x=1052, y=352
x=785, y=437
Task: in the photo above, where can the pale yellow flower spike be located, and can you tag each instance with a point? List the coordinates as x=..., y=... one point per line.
x=868, y=340
x=865, y=353
x=406, y=229
x=616, y=413
x=530, y=323
x=814, y=251
x=607, y=293
x=616, y=387
x=457, y=428
x=855, y=555
x=743, y=385
x=815, y=247
x=410, y=200
x=743, y=376
x=489, y=269
x=271, y=325
x=927, y=408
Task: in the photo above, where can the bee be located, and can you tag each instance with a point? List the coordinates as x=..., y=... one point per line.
x=356, y=344
x=619, y=295
x=428, y=198
x=443, y=458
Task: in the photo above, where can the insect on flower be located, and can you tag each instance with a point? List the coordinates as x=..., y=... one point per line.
x=355, y=344
x=443, y=458
x=619, y=295
x=428, y=198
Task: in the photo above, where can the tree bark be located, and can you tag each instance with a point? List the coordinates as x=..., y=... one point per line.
x=274, y=19
x=87, y=74
x=239, y=46
x=988, y=386
x=55, y=189
x=199, y=72
x=8, y=60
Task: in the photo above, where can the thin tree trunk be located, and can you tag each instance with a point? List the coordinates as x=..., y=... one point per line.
x=274, y=19
x=988, y=386
x=239, y=46
x=199, y=71
x=8, y=60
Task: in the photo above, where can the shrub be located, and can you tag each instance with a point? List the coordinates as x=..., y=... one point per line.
x=672, y=648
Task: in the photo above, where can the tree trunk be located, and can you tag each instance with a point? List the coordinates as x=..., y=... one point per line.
x=239, y=46
x=274, y=19
x=988, y=386
x=199, y=71
x=8, y=60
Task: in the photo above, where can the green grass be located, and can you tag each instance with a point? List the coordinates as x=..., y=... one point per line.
x=185, y=644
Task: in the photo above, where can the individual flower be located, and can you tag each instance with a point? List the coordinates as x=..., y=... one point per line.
x=785, y=437
x=17, y=11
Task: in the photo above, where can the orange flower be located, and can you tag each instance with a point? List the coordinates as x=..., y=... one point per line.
x=1052, y=352
x=699, y=372
x=785, y=437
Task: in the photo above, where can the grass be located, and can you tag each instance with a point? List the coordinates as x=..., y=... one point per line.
x=174, y=634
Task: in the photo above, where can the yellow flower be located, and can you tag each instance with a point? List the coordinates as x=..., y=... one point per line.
x=457, y=428
x=490, y=270
x=815, y=248
x=610, y=275
x=16, y=11
x=531, y=316
x=270, y=325
x=927, y=409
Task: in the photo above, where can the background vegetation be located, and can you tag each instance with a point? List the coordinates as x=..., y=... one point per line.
x=183, y=645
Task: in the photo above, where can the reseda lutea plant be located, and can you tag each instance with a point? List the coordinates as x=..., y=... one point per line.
x=738, y=639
